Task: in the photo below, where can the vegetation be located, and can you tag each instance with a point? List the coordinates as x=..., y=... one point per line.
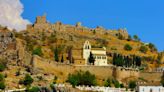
x=126, y=61
x=143, y=49
x=33, y=89
x=127, y=47
x=62, y=59
x=116, y=83
x=162, y=79
x=136, y=38
x=52, y=38
x=2, y=83
x=91, y=59
x=132, y=85
x=56, y=56
x=55, y=79
x=107, y=83
x=152, y=47
x=37, y=51
x=82, y=78
x=27, y=80
x=2, y=64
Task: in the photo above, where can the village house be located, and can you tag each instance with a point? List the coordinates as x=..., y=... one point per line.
x=150, y=89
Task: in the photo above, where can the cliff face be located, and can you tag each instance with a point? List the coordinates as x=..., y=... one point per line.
x=11, y=48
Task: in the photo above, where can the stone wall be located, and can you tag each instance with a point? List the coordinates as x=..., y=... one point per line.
x=101, y=72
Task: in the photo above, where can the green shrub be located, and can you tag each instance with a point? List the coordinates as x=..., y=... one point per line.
x=1, y=77
x=107, y=83
x=33, y=89
x=132, y=85
x=27, y=80
x=2, y=85
x=2, y=67
x=127, y=47
x=143, y=49
x=37, y=51
x=82, y=78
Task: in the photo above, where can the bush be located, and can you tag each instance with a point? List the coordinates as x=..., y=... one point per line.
x=37, y=51
x=132, y=85
x=1, y=77
x=33, y=89
x=143, y=49
x=136, y=38
x=107, y=83
x=2, y=85
x=127, y=47
x=116, y=83
x=27, y=80
x=82, y=78
x=2, y=67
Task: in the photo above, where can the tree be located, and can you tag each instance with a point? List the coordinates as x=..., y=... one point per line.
x=132, y=85
x=162, y=79
x=116, y=83
x=2, y=67
x=152, y=47
x=82, y=78
x=27, y=80
x=143, y=49
x=2, y=84
x=1, y=77
x=3, y=63
x=136, y=38
x=55, y=79
x=37, y=51
x=127, y=47
x=107, y=83
x=56, y=56
x=62, y=59
x=91, y=59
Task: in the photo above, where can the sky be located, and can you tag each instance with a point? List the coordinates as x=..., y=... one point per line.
x=144, y=18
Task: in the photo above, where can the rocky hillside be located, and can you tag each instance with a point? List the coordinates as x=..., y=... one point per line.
x=17, y=49
x=49, y=36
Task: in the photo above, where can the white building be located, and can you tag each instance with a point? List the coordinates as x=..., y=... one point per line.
x=98, y=53
x=150, y=89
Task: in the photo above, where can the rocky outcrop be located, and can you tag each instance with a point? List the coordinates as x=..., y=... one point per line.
x=12, y=49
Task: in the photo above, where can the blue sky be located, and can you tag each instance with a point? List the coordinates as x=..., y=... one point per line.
x=142, y=17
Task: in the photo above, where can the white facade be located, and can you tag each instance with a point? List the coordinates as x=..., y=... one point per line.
x=98, y=53
x=150, y=89
x=101, y=89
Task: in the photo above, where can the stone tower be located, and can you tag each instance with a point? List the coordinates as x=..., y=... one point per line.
x=86, y=51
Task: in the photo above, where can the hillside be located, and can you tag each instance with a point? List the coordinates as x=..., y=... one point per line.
x=32, y=51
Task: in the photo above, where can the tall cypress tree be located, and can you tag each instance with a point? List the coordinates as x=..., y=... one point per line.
x=91, y=59
x=62, y=59
x=56, y=56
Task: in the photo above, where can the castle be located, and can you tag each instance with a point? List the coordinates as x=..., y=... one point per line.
x=41, y=24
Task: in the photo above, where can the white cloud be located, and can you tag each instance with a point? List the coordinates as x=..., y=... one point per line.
x=10, y=15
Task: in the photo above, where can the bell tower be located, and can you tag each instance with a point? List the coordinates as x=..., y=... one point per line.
x=86, y=51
